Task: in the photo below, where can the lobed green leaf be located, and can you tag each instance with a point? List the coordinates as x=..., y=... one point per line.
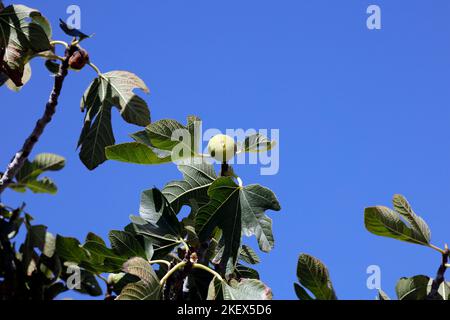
x=110, y=89
x=382, y=221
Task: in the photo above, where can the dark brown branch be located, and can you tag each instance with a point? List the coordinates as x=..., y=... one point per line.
x=440, y=277
x=19, y=159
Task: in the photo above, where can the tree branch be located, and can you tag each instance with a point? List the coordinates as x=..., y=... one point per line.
x=440, y=277
x=19, y=159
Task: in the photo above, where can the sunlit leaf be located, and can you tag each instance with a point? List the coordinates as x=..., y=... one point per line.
x=24, y=32
x=157, y=222
x=140, y=291
x=42, y=163
x=244, y=272
x=111, y=89
x=198, y=177
x=142, y=269
x=415, y=288
x=214, y=289
x=313, y=275
x=444, y=290
x=148, y=288
x=124, y=244
x=301, y=293
x=246, y=289
x=385, y=222
x=248, y=255
x=70, y=249
x=134, y=152
x=161, y=133
x=402, y=206
x=156, y=209
x=255, y=200
x=257, y=143
x=236, y=210
x=42, y=186
x=28, y=175
x=223, y=211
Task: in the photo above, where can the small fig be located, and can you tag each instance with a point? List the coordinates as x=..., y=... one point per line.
x=222, y=148
x=79, y=59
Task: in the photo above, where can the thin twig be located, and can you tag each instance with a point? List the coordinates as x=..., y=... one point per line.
x=95, y=68
x=63, y=43
x=19, y=159
x=172, y=271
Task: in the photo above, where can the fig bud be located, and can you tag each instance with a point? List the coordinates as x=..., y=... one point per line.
x=79, y=59
x=222, y=148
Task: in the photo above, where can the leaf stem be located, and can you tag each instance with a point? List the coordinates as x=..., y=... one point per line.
x=63, y=43
x=95, y=68
x=207, y=269
x=55, y=57
x=436, y=248
x=167, y=263
x=171, y=272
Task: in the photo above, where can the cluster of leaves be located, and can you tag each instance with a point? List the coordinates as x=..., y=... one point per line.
x=203, y=250
x=201, y=256
x=403, y=224
x=26, y=34
x=34, y=271
x=168, y=140
x=400, y=223
x=158, y=143
x=28, y=176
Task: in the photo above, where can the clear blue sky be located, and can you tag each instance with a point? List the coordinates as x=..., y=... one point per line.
x=363, y=115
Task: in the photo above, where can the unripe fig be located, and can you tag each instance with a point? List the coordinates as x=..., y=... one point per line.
x=222, y=148
x=79, y=59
